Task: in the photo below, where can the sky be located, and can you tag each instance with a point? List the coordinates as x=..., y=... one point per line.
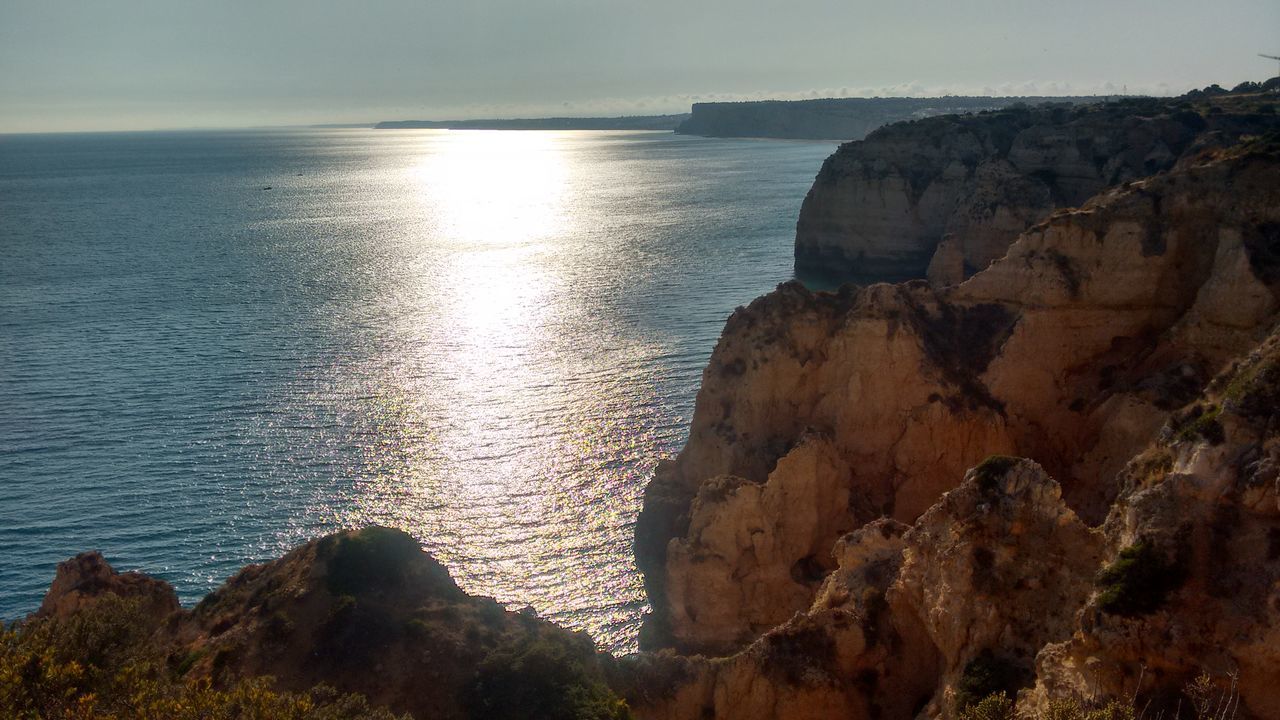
x=149, y=64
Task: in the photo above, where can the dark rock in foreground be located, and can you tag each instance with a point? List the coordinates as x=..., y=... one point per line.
x=365, y=612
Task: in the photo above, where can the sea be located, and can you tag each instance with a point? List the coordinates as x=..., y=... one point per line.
x=215, y=346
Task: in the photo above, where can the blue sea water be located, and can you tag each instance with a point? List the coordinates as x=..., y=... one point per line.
x=214, y=346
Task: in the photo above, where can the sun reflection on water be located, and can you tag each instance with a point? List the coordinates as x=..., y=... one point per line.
x=481, y=419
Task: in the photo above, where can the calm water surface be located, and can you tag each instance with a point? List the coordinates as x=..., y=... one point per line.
x=484, y=338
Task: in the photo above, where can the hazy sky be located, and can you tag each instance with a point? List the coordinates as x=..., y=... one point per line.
x=113, y=64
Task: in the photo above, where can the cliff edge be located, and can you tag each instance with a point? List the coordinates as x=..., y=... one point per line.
x=961, y=188
x=841, y=119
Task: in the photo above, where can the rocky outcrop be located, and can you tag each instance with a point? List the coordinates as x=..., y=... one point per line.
x=88, y=576
x=1191, y=578
x=880, y=207
x=989, y=574
x=1073, y=349
x=366, y=612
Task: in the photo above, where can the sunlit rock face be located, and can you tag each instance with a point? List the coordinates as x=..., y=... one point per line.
x=879, y=208
x=821, y=412
x=998, y=563
x=1001, y=587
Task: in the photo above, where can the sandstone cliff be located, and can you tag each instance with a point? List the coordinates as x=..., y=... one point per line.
x=1001, y=588
x=821, y=412
x=880, y=207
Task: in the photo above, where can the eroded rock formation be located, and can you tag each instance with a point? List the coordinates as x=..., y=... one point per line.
x=1057, y=479
x=820, y=412
x=1001, y=587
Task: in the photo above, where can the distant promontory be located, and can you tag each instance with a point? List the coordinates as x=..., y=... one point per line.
x=841, y=119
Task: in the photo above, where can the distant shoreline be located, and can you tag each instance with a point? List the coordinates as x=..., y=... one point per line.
x=635, y=122
x=831, y=119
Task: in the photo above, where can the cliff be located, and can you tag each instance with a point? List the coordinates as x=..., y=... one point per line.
x=834, y=118
x=880, y=208
x=829, y=410
x=1133, y=560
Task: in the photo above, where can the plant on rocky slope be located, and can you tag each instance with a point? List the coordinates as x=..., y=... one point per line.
x=1138, y=582
x=1205, y=698
x=543, y=679
x=985, y=676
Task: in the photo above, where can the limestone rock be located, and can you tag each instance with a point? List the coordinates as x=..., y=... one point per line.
x=998, y=564
x=1194, y=552
x=996, y=568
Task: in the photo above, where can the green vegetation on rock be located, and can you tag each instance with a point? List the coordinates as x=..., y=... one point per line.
x=542, y=680
x=989, y=471
x=986, y=675
x=1138, y=582
x=374, y=557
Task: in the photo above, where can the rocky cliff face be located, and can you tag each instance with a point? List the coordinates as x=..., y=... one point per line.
x=880, y=207
x=821, y=412
x=1001, y=588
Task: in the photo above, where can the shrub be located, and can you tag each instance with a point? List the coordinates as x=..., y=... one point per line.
x=353, y=633
x=542, y=680
x=989, y=472
x=986, y=675
x=364, y=561
x=1070, y=709
x=1201, y=422
x=1138, y=582
x=997, y=706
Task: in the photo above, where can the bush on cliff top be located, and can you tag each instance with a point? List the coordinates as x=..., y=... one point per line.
x=989, y=472
x=370, y=559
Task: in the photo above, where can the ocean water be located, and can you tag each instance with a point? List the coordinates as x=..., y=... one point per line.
x=214, y=346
